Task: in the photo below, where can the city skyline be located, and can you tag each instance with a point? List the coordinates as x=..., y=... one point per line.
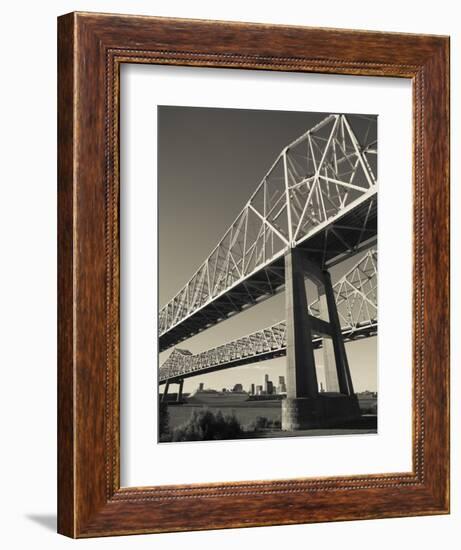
x=238, y=386
x=251, y=389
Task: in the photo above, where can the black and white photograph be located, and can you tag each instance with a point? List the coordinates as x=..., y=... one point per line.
x=191, y=297
x=268, y=273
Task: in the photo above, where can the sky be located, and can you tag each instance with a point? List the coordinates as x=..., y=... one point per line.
x=209, y=163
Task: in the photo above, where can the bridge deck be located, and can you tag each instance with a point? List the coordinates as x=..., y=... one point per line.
x=333, y=242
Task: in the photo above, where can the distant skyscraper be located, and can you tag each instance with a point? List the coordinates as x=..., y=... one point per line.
x=201, y=386
x=269, y=387
x=238, y=387
x=252, y=389
x=259, y=390
x=282, y=387
x=266, y=383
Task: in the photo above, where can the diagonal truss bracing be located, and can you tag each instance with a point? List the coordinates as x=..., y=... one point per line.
x=320, y=193
x=356, y=301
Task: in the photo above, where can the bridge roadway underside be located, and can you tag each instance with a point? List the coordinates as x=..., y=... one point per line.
x=358, y=334
x=333, y=243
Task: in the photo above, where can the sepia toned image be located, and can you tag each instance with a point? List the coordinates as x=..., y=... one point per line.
x=268, y=274
x=219, y=360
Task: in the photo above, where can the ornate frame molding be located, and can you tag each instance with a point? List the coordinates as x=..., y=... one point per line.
x=91, y=49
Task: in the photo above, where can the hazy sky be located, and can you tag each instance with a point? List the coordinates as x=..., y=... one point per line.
x=209, y=163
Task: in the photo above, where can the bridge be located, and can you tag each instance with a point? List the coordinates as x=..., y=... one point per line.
x=320, y=195
x=356, y=301
x=315, y=207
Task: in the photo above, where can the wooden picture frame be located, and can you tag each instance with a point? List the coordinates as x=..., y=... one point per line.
x=91, y=49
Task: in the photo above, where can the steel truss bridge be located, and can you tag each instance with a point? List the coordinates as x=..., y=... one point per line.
x=320, y=197
x=320, y=194
x=356, y=301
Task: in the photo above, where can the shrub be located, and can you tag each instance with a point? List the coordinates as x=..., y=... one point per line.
x=163, y=421
x=263, y=423
x=370, y=409
x=205, y=425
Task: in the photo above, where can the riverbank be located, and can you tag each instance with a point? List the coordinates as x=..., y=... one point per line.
x=266, y=413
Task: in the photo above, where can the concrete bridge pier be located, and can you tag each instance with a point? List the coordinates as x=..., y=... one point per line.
x=165, y=391
x=305, y=407
x=179, y=393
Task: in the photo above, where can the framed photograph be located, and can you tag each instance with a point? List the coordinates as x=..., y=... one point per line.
x=230, y=354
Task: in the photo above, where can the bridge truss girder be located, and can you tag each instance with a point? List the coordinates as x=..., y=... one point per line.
x=356, y=302
x=320, y=193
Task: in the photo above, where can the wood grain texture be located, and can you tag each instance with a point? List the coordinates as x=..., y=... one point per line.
x=66, y=462
x=91, y=49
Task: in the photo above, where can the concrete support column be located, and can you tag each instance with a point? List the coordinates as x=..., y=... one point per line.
x=301, y=374
x=342, y=364
x=305, y=407
x=329, y=365
x=179, y=395
x=329, y=360
x=165, y=391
